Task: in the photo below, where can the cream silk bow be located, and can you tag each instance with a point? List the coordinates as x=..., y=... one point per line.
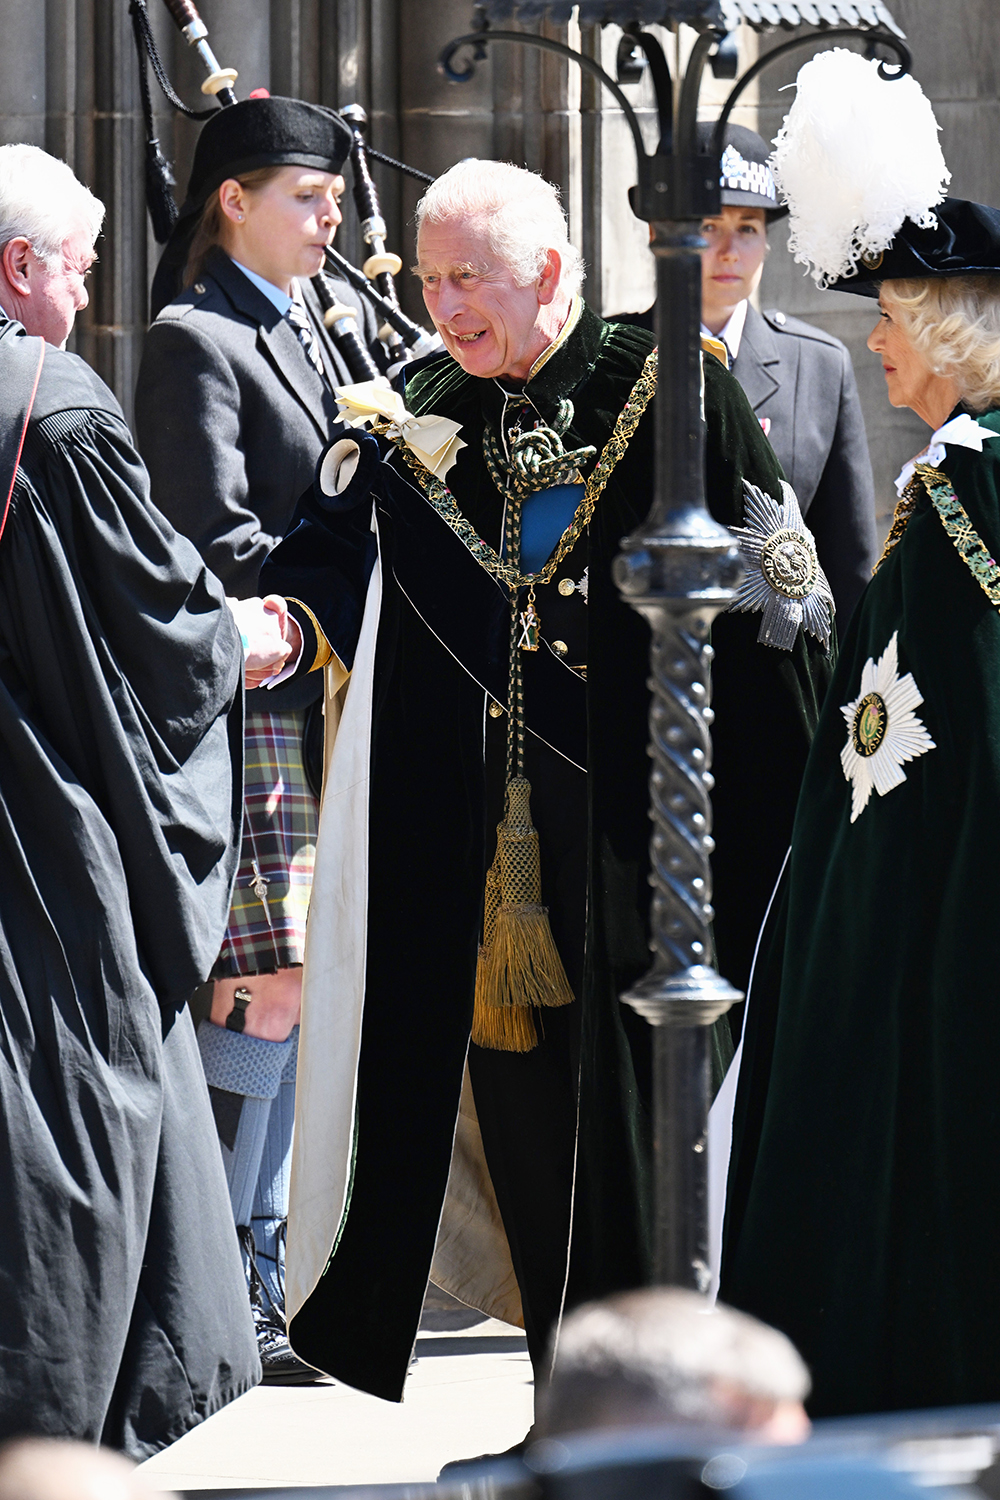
x=434, y=440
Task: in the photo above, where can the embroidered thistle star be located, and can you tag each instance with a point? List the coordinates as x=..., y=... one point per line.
x=783, y=577
x=883, y=732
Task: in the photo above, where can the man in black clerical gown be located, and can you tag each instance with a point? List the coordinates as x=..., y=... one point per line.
x=123, y=1315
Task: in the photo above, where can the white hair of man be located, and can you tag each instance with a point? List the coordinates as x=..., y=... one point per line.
x=519, y=212
x=667, y=1356
x=43, y=201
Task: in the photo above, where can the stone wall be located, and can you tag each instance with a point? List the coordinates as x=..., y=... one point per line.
x=68, y=82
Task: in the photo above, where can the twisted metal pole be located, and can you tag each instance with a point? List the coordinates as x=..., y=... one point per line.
x=679, y=569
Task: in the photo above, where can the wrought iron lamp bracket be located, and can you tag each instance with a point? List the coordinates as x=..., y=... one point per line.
x=676, y=181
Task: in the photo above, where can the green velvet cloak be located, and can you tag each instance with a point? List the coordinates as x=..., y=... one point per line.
x=436, y=793
x=863, y=1211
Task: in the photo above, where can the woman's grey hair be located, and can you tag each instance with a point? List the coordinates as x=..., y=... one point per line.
x=666, y=1356
x=43, y=201
x=520, y=212
x=954, y=323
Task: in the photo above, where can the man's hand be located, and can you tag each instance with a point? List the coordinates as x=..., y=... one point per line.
x=270, y=636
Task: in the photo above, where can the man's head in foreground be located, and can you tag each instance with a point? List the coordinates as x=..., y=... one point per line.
x=666, y=1357
x=48, y=225
x=60, y=1469
x=496, y=265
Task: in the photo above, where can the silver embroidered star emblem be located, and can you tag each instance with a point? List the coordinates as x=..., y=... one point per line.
x=883, y=732
x=783, y=579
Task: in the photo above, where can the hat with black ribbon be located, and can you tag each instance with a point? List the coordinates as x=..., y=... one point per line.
x=262, y=132
x=745, y=175
x=965, y=241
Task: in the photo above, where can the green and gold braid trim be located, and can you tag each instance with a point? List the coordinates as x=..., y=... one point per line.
x=443, y=501
x=955, y=519
x=966, y=540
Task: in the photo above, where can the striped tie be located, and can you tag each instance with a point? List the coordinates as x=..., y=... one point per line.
x=299, y=320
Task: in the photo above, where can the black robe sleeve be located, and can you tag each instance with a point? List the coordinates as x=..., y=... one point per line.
x=119, y=664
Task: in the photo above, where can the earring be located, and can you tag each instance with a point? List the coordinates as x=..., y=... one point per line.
x=239, y=218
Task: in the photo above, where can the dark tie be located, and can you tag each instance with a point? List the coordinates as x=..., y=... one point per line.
x=299, y=320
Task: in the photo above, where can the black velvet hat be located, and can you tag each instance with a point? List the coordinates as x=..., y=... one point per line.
x=270, y=132
x=965, y=242
x=745, y=174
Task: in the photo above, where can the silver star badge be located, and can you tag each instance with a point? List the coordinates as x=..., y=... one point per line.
x=783, y=577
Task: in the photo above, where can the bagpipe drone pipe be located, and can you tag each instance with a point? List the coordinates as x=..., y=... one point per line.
x=403, y=338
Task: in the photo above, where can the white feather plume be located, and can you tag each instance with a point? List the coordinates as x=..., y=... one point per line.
x=857, y=155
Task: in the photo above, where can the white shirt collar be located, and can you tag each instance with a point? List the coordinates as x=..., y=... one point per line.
x=732, y=334
x=961, y=432
x=273, y=293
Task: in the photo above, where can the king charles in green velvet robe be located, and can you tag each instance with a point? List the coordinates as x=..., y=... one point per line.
x=862, y=1216
x=518, y=1180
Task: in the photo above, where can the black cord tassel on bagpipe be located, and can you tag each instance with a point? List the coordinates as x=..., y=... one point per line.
x=159, y=178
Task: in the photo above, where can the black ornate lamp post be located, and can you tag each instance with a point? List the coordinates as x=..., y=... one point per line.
x=680, y=568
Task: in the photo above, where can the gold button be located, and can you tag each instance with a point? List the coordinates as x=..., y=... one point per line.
x=496, y=710
x=560, y=648
x=199, y=288
x=566, y=587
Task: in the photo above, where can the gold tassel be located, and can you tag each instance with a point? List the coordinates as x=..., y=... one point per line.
x=519, y=964
x=507, y=1029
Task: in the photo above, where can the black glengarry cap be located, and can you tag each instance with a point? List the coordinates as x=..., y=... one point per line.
x=271, y=132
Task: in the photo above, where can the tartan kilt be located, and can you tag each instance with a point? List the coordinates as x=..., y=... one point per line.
x=267, y=919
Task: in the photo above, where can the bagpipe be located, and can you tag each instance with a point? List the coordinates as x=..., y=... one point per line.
x=403, y=338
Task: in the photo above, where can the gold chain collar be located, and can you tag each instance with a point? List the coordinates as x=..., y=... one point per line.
x=444, y=502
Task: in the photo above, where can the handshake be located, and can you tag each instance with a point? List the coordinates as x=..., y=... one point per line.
x=271, y=637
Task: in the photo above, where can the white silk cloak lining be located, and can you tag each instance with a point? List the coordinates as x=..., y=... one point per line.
x=471, y=1258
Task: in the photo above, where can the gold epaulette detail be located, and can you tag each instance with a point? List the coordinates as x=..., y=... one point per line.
x=324, y=650
x=716, y=347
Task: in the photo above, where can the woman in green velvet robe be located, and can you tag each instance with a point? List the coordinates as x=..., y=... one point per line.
x=862, y=1216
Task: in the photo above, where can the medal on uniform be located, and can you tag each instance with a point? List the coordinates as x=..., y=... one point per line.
x=530, y=625
x=783, y=579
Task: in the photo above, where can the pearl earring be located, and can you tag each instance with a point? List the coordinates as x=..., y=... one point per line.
x=239, y=218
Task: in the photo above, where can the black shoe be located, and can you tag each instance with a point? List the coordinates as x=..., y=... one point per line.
x=450, y=1470
x=278, y=1360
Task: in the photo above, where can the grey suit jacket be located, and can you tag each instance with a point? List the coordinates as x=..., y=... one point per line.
x=231, y=417
x=802, y=380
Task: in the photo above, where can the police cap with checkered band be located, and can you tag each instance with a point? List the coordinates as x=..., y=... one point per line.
x=744, y=174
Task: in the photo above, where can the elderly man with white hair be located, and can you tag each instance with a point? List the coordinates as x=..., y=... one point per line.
x=123, y=1314
x=475, y=1101
x=49, y=223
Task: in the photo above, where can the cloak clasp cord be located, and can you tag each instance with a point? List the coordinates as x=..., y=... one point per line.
x=519, y=966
